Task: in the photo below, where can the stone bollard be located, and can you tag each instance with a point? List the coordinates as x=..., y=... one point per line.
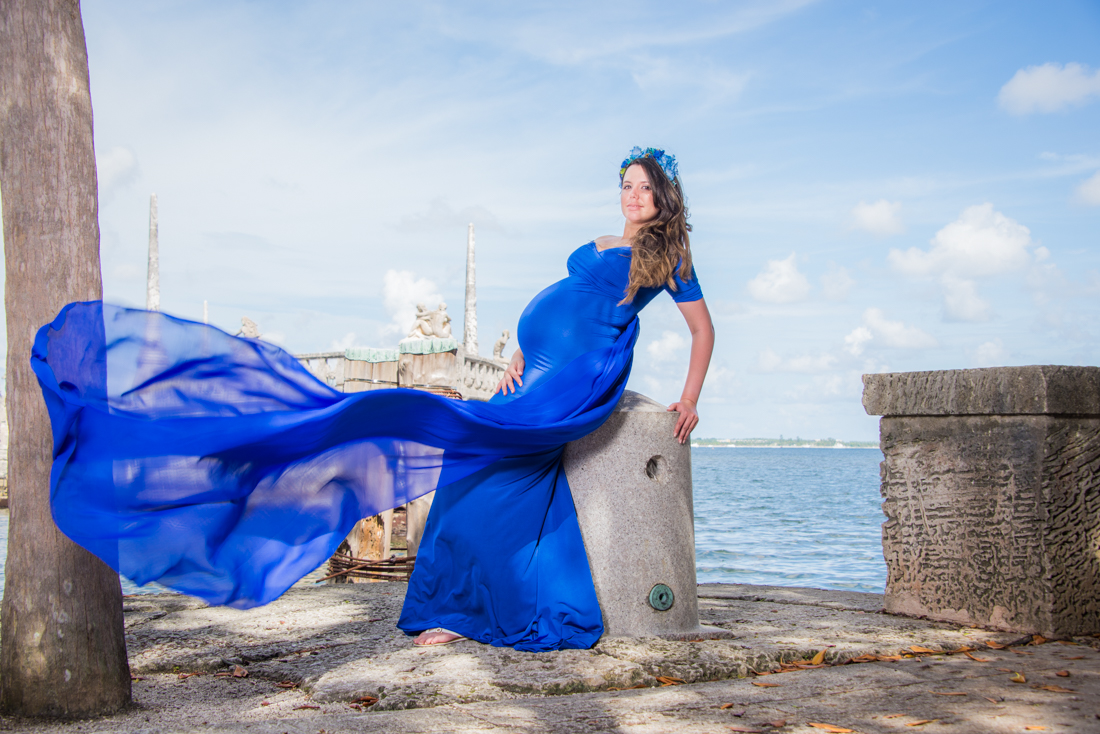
x=991, y=488
x=631, y=484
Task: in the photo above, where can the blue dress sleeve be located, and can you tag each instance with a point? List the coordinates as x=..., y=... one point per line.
x=686, y=291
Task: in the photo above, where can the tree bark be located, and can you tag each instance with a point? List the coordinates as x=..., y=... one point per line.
x=62, y=644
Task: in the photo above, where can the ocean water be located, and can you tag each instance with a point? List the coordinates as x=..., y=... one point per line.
x=789, y=517
x=779, y=517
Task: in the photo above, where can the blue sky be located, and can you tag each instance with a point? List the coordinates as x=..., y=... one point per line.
x=874, y=186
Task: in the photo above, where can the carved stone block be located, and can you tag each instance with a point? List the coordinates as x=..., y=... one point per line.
x=991, y=488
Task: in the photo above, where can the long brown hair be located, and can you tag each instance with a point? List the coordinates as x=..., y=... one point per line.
x=663, y=243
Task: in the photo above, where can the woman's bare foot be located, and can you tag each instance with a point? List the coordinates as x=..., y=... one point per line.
x=436, y=636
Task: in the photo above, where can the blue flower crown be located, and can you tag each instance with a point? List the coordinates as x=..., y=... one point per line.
x=666, y=161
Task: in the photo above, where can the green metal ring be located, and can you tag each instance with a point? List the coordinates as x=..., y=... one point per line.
x=661, y=598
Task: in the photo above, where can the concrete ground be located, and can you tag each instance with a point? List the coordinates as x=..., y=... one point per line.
x=329, y=659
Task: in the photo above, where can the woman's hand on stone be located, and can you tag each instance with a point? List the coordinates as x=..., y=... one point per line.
x=512, y=375
x=689, y=418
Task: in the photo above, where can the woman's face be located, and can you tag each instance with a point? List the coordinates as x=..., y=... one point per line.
x=636, y=196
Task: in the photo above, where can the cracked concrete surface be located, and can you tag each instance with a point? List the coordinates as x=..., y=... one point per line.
x=337, y=643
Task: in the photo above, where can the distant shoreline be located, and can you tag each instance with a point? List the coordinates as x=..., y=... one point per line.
x=776, y=446
x=781, y=443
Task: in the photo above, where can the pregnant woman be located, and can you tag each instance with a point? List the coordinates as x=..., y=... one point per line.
x=219, y=467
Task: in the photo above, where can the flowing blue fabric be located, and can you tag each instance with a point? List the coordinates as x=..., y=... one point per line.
x=219, y=467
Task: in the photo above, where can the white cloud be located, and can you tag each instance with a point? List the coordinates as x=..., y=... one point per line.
x=980, y=243
x=656, y=75
x=780, y=282
x=441, y=215
x=669, y=347
x=1048, y=88
x=339, y=345
x=891, y=333
x=990, y=354
x=115, y=169
x=836, y=282
x=769, y=361
x=401, y=292
x=880, y=218
x=854, y=342
x=1089, y=190
x=961, y=300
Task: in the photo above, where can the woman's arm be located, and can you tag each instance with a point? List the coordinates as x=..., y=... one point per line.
x=702, y=344
x=512, y=373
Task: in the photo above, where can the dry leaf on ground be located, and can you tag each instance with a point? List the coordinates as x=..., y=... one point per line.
x=1035, y=728
x=918, y=648
x=286, y=684
x=818, y=659
x=1062, y=674
x=995, y=645
x=1018, y=678
x=992, y=700
x=831, y=728
x=1037, y=640
x=239, y=672
x=764, y=685
x=1054, y=689
x=889, y=658
x=664, y=680
x=922, y=722
x=778, y=724
x=366, y=700
x=1076, y=657
x=976, y=658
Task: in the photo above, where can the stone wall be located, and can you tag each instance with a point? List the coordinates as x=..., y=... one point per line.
x=991, y=489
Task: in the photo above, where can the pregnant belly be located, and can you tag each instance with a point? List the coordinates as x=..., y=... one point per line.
x=560, y=324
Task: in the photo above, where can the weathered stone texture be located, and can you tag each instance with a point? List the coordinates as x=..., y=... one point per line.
x=992, y=519
x=631, y=484
x=1035, y=390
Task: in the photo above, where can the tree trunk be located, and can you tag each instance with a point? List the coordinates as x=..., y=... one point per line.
x=62, y=645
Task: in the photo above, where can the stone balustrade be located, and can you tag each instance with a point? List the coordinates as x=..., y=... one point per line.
x=477, y=377
x=360, y=368
x=991, y=489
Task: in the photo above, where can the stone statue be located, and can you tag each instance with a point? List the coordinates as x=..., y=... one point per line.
x=498, y=347
x=249, y=329
x=431, y=323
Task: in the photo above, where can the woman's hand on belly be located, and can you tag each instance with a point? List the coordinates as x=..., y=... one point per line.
x=512, y=375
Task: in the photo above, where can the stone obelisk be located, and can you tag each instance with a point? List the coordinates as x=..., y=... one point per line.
x=152, y=294
x=469, y=319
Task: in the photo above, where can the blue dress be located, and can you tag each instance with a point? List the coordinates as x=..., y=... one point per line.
x=221, y=468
